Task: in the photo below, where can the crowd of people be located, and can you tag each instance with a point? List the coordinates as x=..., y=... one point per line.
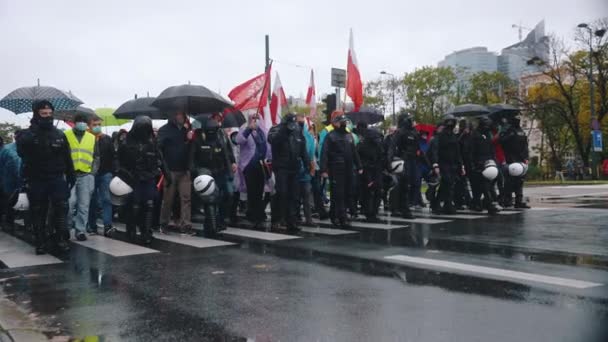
x=156, y=179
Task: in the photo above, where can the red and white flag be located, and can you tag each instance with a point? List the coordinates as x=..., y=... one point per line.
x=278, y=100
x=252, y=94
x=354, y=86
x=311, y=95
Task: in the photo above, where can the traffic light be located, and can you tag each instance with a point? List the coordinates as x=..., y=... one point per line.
x=330, y=105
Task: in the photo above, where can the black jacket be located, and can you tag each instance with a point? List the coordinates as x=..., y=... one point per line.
x=406, y=145
x=138, y=161
x=371, y=150
x=213, y=154
x=174, y=146
x=482, y=148
x=45, y=154
x=107, y=155
x=445, y=149
x=288, y=148
x=339, y=152
x=515, y=144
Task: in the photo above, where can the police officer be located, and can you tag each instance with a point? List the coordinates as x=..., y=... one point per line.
x=48, y=176
x=405, y=146
x=371, y=152
x=432, y=178
x=288, y=154
x=515, y=145
x=446, y=160
x=338, y=160
x=139, y=165
x=462, y=196
x=212, y=151
x=482, y=152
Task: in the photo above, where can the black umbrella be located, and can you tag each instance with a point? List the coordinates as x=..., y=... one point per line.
x=190, y=99
x=501, y=110
x=20, y=100
x=469, y=109
x=139, y=106
x=229, y=120
x=70, y=114
x=366, y=115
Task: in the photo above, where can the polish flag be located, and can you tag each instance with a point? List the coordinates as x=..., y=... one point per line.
x=278, y=100
x=354, y=86
x=311, y=95
x=252, y=94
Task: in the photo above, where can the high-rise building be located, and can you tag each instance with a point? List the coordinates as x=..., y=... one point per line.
x=470, y=61
x=513, y=59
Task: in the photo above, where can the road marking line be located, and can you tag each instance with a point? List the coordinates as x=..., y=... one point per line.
x=192, y=241
x=327, y=231
x=113, y=247
x=380, y=226
x=254, y=234
x=579, y=284
x=17, y=253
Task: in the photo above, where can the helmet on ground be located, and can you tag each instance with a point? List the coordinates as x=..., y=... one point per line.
x=118, y=187
x=22, y=203
x=204, y=185
x=490, y=171
x=517, y=169
x=397, y=166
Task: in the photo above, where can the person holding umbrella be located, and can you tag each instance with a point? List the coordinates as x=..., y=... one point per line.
x=48, y=175
x=174, y=145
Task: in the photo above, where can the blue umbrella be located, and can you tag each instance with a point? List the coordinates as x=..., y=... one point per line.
x=20, y=100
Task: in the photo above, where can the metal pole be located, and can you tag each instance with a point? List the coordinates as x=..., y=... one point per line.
x=592, y=104
x=337, y=99
x=394, y=115
x=267, y=41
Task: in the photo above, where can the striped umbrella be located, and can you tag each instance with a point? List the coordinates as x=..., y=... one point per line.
x=20, y=100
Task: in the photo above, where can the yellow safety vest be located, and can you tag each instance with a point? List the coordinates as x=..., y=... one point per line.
x=82, y=152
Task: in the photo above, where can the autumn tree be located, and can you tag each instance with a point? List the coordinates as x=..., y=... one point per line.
x=426, y=91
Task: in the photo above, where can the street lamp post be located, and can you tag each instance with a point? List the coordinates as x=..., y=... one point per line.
x=393, y=89
x=595, y=125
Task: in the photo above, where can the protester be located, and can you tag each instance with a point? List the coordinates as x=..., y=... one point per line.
x=432, y=177
x=174, y=146
x=515, y=145
x=85, y=157
x=48, y=175
x=405, y=147
x=254, y=153
x=139, y=165
x=339, y=159
x=462, y=196
x=306, y=174
x=101, y=195
x=482, y=153
x=316, y=180
x=288, y=153
x=373, y=160
x=10, y=173
x=446, y=160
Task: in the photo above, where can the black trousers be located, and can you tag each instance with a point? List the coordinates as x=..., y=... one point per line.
x=370, y=184
x=514, y=185
x=484, y=187
x=286, y=186
x=341, y=184
x=449, y=174
x=254, y=180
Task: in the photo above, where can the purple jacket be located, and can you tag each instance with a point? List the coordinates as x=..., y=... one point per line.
x=246, y=152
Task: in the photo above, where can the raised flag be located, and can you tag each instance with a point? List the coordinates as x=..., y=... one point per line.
x=354, y=86
x=311, y=95
x=250, y=95
x=278, y=100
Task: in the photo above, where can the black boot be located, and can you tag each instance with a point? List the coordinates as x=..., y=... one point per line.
x=520, y=204
x=147, y=222
x=133, y=216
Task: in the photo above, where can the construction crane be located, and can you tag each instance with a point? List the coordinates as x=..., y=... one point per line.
x=520, y=29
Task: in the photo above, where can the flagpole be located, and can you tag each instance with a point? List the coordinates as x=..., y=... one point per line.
x=268, y=63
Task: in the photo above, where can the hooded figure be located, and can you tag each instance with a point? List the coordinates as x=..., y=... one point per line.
x=514, y=142
x=482, y=151
x=139, y=164
x=48, y=174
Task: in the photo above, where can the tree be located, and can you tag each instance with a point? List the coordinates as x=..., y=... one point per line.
x=426, y=91
x=489, y=87
x=7, y=130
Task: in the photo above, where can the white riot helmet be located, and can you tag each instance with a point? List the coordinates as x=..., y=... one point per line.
x=23, y=203
x=119, y=191
x=518, y=169
x=396, y=166
x=204, y=185
x=490, y=171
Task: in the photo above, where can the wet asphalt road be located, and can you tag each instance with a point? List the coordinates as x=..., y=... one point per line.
x=539, y=275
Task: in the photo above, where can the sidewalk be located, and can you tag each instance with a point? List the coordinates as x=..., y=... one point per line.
x=540, y=193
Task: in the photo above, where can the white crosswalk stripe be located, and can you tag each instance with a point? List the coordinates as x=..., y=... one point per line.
x=327, y=231
x=192, y=241
x=257, y=235
x=113, y=247
x=18, y=253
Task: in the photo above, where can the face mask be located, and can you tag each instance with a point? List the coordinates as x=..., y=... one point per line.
x=81, y=126
x=45, y=123
x=343, y=126
x=96, y=130
x=301, y=124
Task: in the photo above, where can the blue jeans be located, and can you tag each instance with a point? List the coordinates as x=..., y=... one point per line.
x=101, y=199
x=80, y=201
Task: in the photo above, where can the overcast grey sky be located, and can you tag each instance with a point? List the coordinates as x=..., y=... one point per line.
x=106, y=51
